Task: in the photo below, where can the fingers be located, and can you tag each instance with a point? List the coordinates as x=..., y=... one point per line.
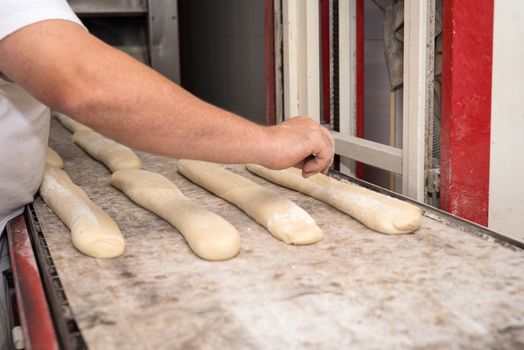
x=308, y=146
x=323, y=158
x=300, y=164
x=316, y=165
x=331, y=141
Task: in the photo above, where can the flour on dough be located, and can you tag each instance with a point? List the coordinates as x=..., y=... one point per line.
x=53, y=159
x=93, y=231
x=209, y=235
x=381, y=213
x=114, y=155
x=282, y=217
x=69, y=123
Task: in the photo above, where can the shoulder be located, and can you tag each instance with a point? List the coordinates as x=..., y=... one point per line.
x=16, y=14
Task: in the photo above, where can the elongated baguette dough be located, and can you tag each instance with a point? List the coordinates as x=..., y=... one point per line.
x=283, y=218
x=114, y=155
x=209, y=235
x=70, y=124
x=53, y=159
x=93, y=232
x=379, y=212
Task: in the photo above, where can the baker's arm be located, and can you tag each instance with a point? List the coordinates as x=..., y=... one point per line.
x=73, y=72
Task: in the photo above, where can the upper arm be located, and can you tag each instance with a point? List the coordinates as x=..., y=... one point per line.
x=50, y=59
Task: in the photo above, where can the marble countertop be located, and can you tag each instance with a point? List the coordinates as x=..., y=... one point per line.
x=440, y=288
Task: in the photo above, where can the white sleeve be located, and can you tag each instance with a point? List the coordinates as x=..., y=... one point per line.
x=16, y=14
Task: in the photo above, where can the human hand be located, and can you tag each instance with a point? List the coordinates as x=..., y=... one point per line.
x=302, y=143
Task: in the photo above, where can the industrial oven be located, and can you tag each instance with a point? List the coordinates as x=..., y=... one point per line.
x=451, y=284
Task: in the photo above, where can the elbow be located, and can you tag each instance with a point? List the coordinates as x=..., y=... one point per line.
x=77, y=99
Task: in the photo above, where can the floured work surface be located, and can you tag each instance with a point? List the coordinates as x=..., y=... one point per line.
x=437, y=289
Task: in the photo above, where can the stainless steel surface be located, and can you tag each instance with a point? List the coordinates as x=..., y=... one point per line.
x=106, y=7
x=128, y=34
x=163, y=38
x=145, y=29
x=446, y=286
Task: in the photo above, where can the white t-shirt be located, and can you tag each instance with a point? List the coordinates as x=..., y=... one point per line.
x=24, y=122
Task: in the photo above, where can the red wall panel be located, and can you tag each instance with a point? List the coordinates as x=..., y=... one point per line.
x=466, y=108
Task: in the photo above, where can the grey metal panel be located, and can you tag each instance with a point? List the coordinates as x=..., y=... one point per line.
x=137, y=52
x=222, y=54
x=127, y=33
x=98, y=7
x=163, y=38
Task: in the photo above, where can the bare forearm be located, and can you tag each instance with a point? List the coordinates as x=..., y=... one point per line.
x=71, y=71
x=170, y=120
x=126, y=100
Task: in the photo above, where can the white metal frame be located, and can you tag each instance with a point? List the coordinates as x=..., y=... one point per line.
x=301, y=58
x=369, y=152
x=418, y=93
x=347, y=78
x=302, y=83
x=347, y=67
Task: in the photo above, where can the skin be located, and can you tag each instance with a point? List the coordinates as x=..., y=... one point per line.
x=71, y=71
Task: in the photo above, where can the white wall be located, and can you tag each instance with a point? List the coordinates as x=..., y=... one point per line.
x=506, y=195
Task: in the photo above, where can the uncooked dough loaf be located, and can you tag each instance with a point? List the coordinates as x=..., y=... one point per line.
x=283, y=218
x=93, y=232
x=70, y=124
x=52, y=159
x=209, y=235
x=377, y=211
x=114, y=155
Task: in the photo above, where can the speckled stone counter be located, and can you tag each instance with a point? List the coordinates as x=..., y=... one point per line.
x=439, y=288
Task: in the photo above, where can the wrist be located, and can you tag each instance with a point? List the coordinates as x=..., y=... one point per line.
x=267, y=149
